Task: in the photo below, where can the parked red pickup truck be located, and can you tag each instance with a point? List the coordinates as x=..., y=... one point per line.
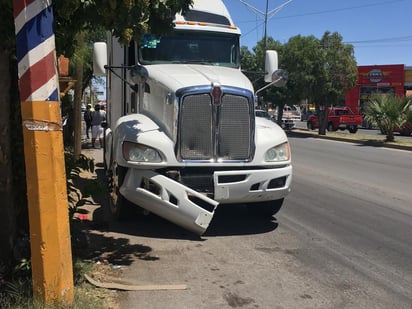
x=405, y=130
x=338, y=118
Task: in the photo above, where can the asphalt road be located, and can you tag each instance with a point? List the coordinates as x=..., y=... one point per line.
x=351, y=211
x=342, y=240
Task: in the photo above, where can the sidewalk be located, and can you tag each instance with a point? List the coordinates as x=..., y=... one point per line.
x=116, y=249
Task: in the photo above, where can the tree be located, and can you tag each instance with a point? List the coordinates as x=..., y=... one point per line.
x=13, y=208
x=388, y=112
x=79, y=22
x=248, y=61
x=303, y=60
x=319, y=71
x=126, y=19
x=6, y=177
x=338, y=74
x=272, y=96
x=254, y=65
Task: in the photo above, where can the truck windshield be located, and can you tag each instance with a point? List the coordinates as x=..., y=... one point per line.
x=220, y=49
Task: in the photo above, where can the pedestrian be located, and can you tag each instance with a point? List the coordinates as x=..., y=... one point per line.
x=98, y=116
x=88, y=119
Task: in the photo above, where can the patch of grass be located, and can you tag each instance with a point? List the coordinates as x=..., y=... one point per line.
x=16, y=284
x=17, y=294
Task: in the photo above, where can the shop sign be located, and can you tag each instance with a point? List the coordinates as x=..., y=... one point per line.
x=375, y=75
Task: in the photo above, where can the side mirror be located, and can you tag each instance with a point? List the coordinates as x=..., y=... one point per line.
x=99, y=58
x=279, y=78
x=271, y=65
x=138, y=74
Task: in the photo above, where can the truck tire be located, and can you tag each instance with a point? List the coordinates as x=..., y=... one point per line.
x=353, y=129
x=331, y=128
x=268, y=208
x=121, y=208
x=405, y=131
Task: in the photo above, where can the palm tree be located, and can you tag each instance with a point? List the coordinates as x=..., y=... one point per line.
x=388, y=112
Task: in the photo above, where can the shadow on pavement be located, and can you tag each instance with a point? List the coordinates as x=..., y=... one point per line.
x=97, y=236
x=228, y=219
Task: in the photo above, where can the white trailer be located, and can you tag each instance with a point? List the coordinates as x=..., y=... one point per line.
x=182, y=137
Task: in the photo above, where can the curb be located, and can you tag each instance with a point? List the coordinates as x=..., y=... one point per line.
x=371, y=142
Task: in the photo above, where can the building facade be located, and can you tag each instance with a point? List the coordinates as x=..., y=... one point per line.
x=395, y=79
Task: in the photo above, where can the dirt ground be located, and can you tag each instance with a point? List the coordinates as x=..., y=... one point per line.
x=91, y=219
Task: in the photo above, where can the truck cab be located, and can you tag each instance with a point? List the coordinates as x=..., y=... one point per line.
x=182, y=136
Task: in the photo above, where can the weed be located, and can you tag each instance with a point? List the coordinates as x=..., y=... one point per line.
x=16, y=286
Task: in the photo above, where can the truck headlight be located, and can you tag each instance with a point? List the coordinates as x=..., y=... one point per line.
x=278, y=153
x=140, y=153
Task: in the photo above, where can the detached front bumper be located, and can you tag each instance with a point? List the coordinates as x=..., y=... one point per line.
x=194, y=211
x=169, y=199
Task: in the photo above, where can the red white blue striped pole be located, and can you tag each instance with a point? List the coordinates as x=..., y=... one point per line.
x=43, y=147
x=36, y=50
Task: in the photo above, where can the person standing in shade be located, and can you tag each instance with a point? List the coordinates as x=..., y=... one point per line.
x=98, y=116
x=88, y=119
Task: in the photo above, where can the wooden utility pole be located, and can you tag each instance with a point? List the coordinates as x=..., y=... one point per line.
x=44, y=156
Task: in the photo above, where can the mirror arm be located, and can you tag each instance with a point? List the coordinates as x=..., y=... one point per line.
x=260, y=74
x=111, y=69
x=279, y=75
x=268, y=85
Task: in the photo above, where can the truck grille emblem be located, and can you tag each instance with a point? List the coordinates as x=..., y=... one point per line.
x=216, y=94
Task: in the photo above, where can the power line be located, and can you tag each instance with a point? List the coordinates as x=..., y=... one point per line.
x=384, y=46
x=342, y=9
x=325, y=11
x=267, y=14
x=383, y=40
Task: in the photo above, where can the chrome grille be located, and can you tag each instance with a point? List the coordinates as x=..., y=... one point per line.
x=234, y=128
x=213, y=132
x=196, y=128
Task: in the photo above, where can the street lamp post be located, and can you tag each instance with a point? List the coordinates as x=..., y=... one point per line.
x=267, y=14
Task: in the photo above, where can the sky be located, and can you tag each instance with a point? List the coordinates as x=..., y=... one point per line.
x=380, y=30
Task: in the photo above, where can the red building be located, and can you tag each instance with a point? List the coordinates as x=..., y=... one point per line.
x=378, y=79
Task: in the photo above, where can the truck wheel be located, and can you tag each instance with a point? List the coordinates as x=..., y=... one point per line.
x=120, y=207
x=331, y=128
x=268, y=208
x=405, y=132
x=353, y=129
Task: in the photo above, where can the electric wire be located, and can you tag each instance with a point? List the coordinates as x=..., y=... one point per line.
x=381, y=40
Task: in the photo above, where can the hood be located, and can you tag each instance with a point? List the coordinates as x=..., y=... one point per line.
x=176, y=76
x=268, y=132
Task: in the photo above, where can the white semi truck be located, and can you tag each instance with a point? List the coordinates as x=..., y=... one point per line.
x=181, y=135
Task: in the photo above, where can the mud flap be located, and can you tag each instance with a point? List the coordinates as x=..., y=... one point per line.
x=169, y=199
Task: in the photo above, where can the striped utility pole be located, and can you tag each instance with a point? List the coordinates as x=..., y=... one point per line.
x=43, y=148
